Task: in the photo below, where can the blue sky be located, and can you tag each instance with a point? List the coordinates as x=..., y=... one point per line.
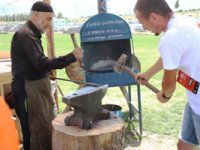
x=78, y=8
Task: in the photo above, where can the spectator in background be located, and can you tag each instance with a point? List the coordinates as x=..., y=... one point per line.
x=31, y=84
x=9, y=139
x=179, y=55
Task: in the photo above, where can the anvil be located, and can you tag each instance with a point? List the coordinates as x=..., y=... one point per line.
x=87, y=104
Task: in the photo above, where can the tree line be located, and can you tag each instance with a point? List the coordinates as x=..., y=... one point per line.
x=14, y=17
x=21, y=17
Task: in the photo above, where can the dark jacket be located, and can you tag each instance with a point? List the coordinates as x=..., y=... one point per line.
x=27, y=55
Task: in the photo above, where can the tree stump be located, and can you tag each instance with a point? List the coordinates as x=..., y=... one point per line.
x=105, y=135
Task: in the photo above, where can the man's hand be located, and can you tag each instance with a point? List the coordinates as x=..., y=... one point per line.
x=78, y=53
x=52, y=75
x=142, y=76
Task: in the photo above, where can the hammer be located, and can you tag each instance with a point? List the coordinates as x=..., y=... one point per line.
x=72, y=32
x=120, y=67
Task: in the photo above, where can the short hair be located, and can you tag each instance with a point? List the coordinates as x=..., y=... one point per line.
x=146, y=7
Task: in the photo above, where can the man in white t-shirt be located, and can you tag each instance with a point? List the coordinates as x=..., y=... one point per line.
x=179, y=57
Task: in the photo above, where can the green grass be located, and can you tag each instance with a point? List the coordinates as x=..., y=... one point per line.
x=5, y=40
x=157, y=118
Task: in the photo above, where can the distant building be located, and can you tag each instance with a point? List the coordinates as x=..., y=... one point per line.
x=60, y=22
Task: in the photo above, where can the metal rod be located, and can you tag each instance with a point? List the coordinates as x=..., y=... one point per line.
x=79, y=82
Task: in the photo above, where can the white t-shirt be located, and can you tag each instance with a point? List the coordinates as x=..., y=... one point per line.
x=180, y=49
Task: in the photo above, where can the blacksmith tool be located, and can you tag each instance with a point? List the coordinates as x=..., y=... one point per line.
x=120, y=67
x=87, y=104
x=75, y=81
x=73, y=70
x=72, y=32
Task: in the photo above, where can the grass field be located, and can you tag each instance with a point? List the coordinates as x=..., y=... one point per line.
x=158, y=118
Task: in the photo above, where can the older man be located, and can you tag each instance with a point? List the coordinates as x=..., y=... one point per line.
x=31, y=85
x=180, y=54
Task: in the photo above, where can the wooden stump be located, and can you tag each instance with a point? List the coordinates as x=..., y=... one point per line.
x=105, y=135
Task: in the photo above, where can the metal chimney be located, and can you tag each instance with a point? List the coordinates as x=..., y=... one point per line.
x=102, y=6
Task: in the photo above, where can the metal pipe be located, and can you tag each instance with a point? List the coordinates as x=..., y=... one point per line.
x=102, y=6
x=75, y=81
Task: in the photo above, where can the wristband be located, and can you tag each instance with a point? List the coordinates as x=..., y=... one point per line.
x=165, y=97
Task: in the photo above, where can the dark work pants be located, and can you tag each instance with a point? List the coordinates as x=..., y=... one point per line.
x=19, y=97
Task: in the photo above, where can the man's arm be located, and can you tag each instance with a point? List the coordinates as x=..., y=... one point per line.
x=168, y=85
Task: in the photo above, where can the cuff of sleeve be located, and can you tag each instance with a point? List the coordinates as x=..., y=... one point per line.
x=70, y=57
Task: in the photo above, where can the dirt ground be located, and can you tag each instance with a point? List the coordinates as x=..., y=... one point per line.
x=150, y=141
x=153, y=142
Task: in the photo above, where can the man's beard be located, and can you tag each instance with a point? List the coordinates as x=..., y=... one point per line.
x=45, y=29
x=157, y=34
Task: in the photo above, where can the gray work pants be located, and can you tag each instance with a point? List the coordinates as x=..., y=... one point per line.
x=40, y=113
